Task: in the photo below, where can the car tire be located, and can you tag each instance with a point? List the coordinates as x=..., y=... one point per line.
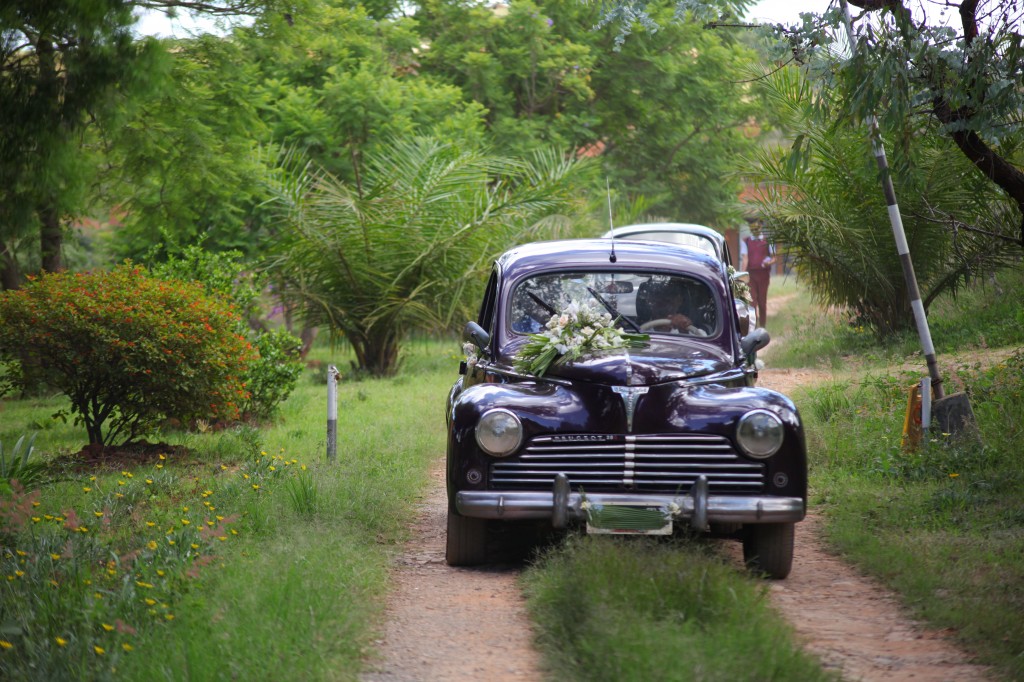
x=467, y=541
x=768, y=549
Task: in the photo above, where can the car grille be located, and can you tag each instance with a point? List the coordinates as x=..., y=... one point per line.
x=654, y=463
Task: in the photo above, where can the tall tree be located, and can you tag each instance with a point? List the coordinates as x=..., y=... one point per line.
x=63, y=65
x=59, y=62
x=957, y=64
x=666, y=111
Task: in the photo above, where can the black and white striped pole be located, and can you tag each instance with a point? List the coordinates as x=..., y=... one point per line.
x=952, y=414
x=902, y=248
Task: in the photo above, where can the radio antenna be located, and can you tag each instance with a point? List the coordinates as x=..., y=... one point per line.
x=611, y=227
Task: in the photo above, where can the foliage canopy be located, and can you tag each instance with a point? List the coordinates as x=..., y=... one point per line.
x=404, y=246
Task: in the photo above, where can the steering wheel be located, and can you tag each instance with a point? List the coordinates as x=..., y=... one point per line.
x=652, y=324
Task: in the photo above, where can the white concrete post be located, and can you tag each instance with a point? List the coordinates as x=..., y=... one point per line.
x=332, y=413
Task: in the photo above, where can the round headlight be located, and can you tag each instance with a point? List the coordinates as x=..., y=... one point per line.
x=499, y=433
x=760, y=433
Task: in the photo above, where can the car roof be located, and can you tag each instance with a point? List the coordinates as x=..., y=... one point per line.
x=703, y=237
x=686, y=228
x=597, y=254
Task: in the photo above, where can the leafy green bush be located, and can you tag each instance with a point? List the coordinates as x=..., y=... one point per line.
x=272, y=377
x=128, y=350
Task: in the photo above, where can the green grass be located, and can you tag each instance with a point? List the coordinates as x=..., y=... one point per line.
x=943, y=525
x=621, y=609
x=251, y=557
x=987, y=315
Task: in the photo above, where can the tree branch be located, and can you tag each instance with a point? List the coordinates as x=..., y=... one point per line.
x=995, y=167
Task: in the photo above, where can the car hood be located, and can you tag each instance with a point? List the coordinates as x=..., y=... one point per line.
x=662, y=360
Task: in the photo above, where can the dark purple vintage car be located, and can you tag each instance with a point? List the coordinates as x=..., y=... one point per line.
x=641, y=418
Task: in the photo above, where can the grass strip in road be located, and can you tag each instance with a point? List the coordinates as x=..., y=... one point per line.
x=621, y=609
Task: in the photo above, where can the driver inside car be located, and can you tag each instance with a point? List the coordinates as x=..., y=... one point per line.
x=671, y=309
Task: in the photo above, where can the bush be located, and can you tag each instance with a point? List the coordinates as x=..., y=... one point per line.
x=128, y=350
x=272, y=377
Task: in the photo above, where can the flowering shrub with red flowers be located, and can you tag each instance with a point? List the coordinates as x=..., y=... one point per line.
x=129, y=350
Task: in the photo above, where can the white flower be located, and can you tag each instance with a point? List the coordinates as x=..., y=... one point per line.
x=674, y=509
x=584, y=505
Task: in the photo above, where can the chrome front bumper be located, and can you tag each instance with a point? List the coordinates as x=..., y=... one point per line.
x=561, y=506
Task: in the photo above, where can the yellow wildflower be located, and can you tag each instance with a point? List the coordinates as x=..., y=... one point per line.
x=127, y=647
x=151, y=544
x=99, y=650
x=4, y=644
x=108, y=628
x=61, y=641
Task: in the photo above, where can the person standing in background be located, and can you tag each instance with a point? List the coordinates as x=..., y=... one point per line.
x=756, y=257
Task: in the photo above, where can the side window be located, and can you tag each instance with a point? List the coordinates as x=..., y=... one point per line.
x=486, y=318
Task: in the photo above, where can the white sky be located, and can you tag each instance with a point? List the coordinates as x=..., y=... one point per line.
x=770, y=11
x=784, y=11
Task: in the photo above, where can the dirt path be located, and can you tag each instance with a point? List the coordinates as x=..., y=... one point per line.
x=448, y=623
x=460, y=624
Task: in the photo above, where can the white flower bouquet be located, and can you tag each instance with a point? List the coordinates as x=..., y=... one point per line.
x=576, y=331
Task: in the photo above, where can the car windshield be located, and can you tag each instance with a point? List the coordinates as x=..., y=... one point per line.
x=640, y=301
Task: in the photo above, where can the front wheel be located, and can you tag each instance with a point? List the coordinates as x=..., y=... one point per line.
x=467, y=541
x=768, y=548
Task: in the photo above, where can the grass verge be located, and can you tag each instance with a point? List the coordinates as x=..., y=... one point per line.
x=942, y=524
x=235, y=554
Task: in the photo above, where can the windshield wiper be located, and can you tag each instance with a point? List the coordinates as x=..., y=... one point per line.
x=542, y=303
x=613, y=312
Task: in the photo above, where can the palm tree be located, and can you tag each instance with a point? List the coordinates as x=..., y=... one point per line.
x=824, y=205
x=404, y=248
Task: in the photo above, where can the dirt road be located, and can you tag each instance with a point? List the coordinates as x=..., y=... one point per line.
x=470, y=624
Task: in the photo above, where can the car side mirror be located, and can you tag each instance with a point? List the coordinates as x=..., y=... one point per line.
x=754, y=341
x=476, y=335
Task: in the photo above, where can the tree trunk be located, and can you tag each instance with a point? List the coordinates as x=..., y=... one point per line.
x=49, y=91
x=10, y=273
x=51, y=238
